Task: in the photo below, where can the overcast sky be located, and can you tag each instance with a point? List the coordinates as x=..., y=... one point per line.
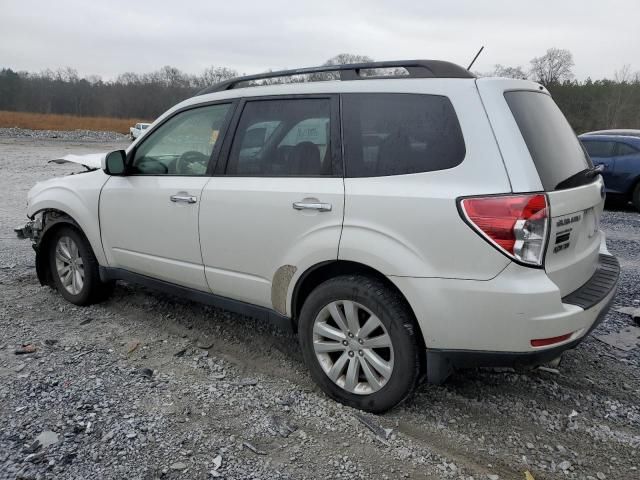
x=110, y=37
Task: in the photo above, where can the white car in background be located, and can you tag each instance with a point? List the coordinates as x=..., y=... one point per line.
x=404, y=226
x=137, y=130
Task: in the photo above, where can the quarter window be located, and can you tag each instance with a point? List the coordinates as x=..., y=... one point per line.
x=282, y=138
x=624, y=149
x=395, y=134
x=183, y=145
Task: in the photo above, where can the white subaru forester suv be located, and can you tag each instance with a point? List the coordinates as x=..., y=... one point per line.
x=404, y=226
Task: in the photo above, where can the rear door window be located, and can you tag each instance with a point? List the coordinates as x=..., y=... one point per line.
x=395, y=134
x=283, y=138
x=552, y=143
x=597, y=148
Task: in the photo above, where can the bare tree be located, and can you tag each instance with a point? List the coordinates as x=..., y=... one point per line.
x=623, y=75
x=340, y=59
x=213, y=75
x=617, y=101
x=553, y=67
x=509, y=72
x=128, y=78
x=344, y=58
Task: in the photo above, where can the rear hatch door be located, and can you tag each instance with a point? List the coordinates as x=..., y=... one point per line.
x=542, y=153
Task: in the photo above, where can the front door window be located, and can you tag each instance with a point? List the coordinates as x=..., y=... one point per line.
x=183, y=145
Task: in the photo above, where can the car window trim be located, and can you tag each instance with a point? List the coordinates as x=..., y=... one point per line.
x=213, y=158
x=337, y=170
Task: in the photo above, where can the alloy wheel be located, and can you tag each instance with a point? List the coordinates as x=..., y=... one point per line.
x=69, y=265
x=353, y=347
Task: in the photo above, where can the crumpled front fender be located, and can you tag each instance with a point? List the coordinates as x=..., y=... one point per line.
x=76, y=196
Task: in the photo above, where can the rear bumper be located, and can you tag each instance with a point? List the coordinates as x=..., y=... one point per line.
x=471, y=358
x=491, y=323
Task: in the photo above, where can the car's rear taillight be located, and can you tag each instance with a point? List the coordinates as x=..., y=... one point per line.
x=517, y=225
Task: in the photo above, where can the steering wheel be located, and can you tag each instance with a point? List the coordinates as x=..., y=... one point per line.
x=151, y=166
x=191, y=162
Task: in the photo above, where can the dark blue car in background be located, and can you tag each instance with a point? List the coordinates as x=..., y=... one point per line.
x=620, y=157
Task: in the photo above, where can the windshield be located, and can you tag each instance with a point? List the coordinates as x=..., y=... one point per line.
x=552, y=143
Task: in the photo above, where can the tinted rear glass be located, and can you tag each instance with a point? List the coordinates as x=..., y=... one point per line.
x=597, y=148
x=395, y=134
x=281, y=138
x=624, y=149
x=552, y=143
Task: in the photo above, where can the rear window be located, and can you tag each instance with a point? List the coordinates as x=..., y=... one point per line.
x=552, y=143
x=395, y=134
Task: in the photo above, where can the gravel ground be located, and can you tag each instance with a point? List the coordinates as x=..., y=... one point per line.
x=73, y=135
x=149, y=386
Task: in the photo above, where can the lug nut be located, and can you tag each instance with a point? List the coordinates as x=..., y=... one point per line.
x=351, y=353
x=345, y=343
x=360, y=341
x=350, y=335
x=360, y=352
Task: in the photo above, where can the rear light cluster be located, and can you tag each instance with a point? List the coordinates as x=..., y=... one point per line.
x=517, y=225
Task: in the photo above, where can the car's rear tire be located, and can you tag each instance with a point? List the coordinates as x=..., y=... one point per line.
x=360, y=342
x=635, y=197
x=74, y=268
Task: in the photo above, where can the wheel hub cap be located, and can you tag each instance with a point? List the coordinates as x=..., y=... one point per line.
x=69, y=265
x=353, y=347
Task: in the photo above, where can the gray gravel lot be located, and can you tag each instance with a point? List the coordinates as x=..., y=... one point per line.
x=147, y=386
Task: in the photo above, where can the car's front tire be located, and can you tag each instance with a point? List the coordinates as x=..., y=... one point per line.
x=360, y=342
x=74, y=268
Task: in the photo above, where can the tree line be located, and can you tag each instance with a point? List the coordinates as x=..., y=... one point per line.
x=589, y=104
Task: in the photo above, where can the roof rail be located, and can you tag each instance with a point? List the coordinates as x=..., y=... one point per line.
x=351, y=71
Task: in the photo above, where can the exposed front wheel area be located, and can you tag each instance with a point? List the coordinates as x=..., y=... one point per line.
x=73, y=267
x=360, y=342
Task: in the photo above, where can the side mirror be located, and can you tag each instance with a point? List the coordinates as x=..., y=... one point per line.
x=114, y=163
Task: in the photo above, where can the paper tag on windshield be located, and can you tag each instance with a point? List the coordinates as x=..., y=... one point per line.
x=214, y=137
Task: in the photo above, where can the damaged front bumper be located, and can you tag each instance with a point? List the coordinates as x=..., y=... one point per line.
x=31, y=229
x=25, y=231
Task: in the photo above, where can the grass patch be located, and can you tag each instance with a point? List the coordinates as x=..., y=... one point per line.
x=47, y=121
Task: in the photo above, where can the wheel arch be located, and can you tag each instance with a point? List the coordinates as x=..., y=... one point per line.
x=52, y=220
x=76, y=196
x=320, y=272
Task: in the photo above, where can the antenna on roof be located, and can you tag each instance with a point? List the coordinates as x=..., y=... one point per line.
x=474, y=58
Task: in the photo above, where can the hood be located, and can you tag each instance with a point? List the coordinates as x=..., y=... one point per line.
x=91, y=161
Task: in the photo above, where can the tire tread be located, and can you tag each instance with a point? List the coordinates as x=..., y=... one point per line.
x=398, y=311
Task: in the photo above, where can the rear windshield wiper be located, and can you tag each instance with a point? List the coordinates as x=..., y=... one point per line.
x=581, y=178
x=593, y=171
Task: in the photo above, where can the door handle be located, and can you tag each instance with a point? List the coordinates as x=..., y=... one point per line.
x=312, y=204
x=183, y=197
